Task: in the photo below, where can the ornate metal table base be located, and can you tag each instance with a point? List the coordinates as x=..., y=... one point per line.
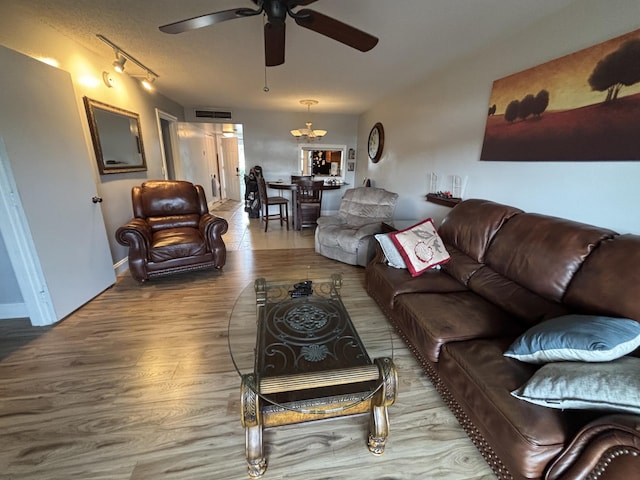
x=255, y=415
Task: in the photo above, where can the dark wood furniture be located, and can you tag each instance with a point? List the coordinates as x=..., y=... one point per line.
x=293, y=188
x=444, y=201
x=308, y=202
x=295, y=178
x=266, y=201
x=309, y=363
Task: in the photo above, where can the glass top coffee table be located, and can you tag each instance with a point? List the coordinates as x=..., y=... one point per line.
x=302, y=357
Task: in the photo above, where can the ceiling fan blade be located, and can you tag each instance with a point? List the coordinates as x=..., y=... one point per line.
x=274, y=35
x=335, y=29
x=208, y=19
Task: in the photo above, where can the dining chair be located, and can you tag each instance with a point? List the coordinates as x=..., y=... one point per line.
x=308, y=202
x=267, y=202
x=295, y=178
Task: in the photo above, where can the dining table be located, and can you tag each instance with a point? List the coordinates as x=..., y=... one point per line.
x=293, y=188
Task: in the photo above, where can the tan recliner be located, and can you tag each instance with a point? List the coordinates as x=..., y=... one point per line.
x=172, y=230
x=348, y=236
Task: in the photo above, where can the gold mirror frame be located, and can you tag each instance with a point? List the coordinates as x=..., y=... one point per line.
x=117, y=138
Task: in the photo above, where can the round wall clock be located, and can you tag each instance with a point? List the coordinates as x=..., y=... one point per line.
x=376, y=142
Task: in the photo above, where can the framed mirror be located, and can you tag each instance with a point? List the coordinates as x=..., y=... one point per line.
x=116, y=137
x=323, y=160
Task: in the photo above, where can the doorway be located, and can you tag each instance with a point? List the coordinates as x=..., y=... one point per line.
x=167, y=127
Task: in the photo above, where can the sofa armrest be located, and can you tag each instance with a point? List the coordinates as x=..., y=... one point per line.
x=609, y=446
x=368, y=229
x=379, y=256
x=136, y=234
x=212, y=228
x=329, y=220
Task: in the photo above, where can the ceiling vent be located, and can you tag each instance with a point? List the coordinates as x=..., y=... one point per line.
x=204, y=114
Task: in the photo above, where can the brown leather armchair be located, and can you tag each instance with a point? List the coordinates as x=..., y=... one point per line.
x=172, y=230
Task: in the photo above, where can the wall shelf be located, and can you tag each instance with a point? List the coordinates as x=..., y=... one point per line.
x=444, y=201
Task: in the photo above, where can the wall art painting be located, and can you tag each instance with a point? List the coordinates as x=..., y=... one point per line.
x=581, y=107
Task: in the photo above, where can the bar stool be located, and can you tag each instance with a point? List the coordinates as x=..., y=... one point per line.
x=308, y=202
x=267, y=202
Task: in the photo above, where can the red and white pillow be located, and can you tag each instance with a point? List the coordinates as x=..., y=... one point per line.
x=421, y=247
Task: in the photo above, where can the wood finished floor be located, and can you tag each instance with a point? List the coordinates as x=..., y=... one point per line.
x=138, y=385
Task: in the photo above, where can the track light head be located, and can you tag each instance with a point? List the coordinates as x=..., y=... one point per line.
x=147, y=82
x=118, y=63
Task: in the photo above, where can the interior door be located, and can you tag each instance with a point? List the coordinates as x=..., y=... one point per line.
x=54, y=177
x=231, y=167
x=214, y=171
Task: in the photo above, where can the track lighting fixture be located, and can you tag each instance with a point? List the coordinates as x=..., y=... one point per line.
x=118, y=63
x=121, y=58
x=148, y=81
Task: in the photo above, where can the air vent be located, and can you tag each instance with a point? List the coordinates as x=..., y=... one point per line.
x=208, y=114
x=213, y=114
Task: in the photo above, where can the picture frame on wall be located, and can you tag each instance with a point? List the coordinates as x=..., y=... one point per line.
x=581, y=107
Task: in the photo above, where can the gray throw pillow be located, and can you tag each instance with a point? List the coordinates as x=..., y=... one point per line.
x=584, y=338
x=394, y=259
x=612, y=386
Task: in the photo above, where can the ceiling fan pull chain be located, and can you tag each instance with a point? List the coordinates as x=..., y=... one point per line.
x=265, y=89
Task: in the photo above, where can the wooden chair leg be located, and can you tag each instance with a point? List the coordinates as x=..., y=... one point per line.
x=266, y=217
x=286, y=211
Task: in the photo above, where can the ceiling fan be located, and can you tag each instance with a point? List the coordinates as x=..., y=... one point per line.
x=274, y=29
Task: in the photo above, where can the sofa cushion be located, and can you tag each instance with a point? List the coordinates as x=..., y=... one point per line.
x=433, y=320
x=526, y=437
x=519, y=301
x=173, y=221
x=602, y=283
x=611, y=386
x=160, y=198
x=471, y=225
x=542, y=253
x=420, y=247
x=385, y=283
x=585, y=338
x=177, y=243
x=364, y=205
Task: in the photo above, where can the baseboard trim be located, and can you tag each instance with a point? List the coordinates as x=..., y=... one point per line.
x=121, y=266
x=13, y=310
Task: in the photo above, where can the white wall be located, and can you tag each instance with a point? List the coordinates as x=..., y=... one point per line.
x=195, y=153
x=438, y=125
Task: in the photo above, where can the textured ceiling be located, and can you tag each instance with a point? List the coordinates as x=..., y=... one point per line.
x=223, y=65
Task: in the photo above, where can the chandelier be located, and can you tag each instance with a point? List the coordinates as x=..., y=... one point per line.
x=308, y=133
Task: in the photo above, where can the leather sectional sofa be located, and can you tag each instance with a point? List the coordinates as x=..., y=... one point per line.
x=509, y=271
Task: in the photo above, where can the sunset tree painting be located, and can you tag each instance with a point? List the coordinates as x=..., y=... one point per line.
x=581, y=107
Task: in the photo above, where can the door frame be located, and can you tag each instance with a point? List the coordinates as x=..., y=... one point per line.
x=173, y=139
x=21, y=249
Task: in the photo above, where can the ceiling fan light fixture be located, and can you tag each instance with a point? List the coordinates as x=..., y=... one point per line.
x=308, y=133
